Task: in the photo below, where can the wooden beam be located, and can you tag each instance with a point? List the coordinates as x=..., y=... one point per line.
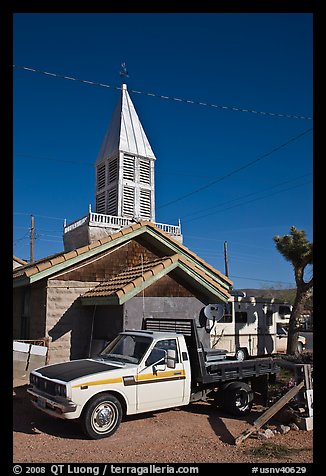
x=269, y=413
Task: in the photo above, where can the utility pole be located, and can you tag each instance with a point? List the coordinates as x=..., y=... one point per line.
x=226, y=261
x=31, y=258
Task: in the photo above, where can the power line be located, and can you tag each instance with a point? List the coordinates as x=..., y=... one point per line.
x=249, y=201
x=243, y=196
x=88, y=164
x=243, y=167
x=39, y=216
x=261, y=279
x=188, y=101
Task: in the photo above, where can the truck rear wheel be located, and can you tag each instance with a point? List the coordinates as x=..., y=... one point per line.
x=237, y=398
x=102, y=416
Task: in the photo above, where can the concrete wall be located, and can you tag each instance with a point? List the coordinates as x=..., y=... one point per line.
x=69, y=324
x=84, y=235
x=164, y=307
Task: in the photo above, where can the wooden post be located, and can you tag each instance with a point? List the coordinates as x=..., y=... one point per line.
x=267, y=415
x=226, y=261
x=31, y=258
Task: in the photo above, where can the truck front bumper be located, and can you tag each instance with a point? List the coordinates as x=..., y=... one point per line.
x=54, y=406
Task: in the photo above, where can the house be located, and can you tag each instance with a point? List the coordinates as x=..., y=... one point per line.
x=82, y=298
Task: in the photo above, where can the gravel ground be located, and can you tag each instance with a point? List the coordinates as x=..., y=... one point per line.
x=198, y=433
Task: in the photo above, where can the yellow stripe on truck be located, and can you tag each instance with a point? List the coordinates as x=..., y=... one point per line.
x=171, y=375
x=99, y=382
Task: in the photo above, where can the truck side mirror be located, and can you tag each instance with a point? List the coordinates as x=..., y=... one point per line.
x=156, y=357
x=171, y=358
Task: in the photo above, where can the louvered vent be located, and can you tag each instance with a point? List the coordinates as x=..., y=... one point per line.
x=128, y=201
x=113, y=170
x=100, y=176
x=144, y=171
x=129, y=167
x=112, y=202
x=100, y=203
x=145, y=204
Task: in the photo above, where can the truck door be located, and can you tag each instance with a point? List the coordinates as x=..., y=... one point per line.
x=159, y=386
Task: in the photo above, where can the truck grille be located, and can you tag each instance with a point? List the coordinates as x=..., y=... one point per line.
x=45, y=385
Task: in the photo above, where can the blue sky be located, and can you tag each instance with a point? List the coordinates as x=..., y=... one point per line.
x=203, y=172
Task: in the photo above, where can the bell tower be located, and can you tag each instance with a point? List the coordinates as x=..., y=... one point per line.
x=125, y=166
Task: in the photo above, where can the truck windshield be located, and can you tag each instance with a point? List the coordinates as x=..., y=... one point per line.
x=127, y=348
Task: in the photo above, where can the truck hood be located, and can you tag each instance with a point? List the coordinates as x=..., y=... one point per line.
x=75, y=369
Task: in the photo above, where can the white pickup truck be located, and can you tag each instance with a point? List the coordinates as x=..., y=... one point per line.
x=164, y=365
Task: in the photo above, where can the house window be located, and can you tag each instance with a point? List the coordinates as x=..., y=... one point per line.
x=284, y=310
x=241, y=317
x=227, y=316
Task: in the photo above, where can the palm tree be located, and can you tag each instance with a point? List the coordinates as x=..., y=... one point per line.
x=296, y=248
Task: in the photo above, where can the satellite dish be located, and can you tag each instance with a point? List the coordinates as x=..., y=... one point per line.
x=214, y=312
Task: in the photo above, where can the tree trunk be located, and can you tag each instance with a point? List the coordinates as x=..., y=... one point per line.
x=302, y=295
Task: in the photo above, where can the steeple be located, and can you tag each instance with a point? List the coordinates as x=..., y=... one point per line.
x=125, y=166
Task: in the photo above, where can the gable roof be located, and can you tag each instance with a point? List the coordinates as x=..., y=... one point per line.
x=50, y=265
x=125, y=132
x=132, y=281
x=20, y=261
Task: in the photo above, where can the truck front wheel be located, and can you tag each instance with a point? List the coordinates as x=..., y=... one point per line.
x=237, y=398
x=101, y=416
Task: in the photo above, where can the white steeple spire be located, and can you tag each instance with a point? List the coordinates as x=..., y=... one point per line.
x=125, y=132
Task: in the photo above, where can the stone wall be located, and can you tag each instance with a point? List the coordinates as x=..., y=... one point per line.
x=69, y=324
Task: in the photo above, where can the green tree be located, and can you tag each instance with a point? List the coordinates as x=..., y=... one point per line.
x=296, y=248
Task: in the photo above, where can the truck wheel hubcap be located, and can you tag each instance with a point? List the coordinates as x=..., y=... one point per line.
x=104, y=417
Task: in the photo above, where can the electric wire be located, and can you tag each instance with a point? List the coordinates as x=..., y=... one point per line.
x=171, y=98
x=233, y=172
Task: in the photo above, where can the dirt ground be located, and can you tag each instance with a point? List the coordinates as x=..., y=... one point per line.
x=198, y=433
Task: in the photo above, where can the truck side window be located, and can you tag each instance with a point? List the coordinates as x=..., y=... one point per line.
x=168, y=344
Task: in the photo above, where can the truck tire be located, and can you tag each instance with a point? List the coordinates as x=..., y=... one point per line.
x=241, y=354
x=299, y=348
x=101, y=416
x=237, y=398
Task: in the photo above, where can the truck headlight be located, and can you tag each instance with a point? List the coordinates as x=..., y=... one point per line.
x=60, y=390
x=33, y=379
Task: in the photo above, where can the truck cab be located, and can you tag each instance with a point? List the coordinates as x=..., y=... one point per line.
x=127, y=371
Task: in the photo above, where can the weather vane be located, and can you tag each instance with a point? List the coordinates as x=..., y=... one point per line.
x=123, y=70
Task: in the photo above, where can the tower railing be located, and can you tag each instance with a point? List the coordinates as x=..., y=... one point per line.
x=116, y=223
